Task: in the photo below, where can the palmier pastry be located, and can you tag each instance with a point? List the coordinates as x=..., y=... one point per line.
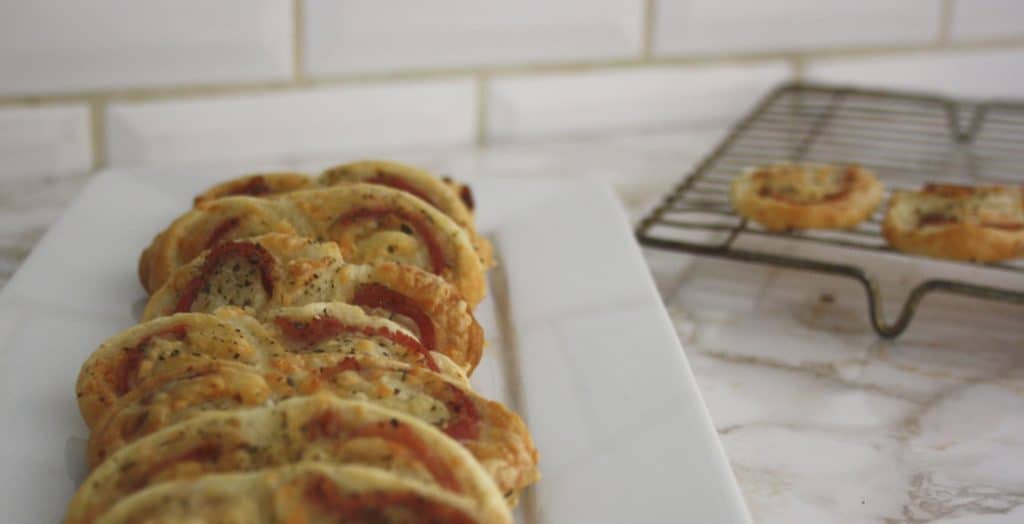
x=381, y=172
x=494, y=435
x=369, y=222
x=270, y=271
x=191, y=342
x=258, y=185
x=320, y=428
x=981, y=224
x=806, y=196
x=303, y=493
x=450, y=197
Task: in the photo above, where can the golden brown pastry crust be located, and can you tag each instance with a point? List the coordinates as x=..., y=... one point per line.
x=980, y=224
x=461, y=265
x=304, y=358
x=806, y=196
x=197, y=342
x=368, y=222
x=302, y=493
x=494, y=435
x=293, y=271
x=448, y=196
x=258, y=185
x=452, y=198
x=319, y=428
x=219, y=220
x=415, y=181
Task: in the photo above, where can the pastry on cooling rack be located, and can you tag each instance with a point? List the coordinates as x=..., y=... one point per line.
x=981, y=224
x=806, y=196
x=319, y=428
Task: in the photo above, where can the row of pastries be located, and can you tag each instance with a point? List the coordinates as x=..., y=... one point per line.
x=304, y=357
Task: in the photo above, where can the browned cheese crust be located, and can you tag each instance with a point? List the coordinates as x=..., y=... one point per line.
x=188, y=344
x=494, y=435
x=258, y=185
x=196, y=231
x=306, y=493
x=318, y=428
x=783, y=197
x=451, y=198
x=369, y=223
x=272, y=271
x=980, y=224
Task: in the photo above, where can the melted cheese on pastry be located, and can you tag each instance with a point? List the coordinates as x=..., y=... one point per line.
x=270, y=271
x=319, y=428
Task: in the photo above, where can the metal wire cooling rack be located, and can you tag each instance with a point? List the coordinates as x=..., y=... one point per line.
x=907, y=139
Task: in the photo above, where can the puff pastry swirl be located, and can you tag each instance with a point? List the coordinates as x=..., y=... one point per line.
x=980, y=224
x=450, y=197
x=806, y=196
x=176, y=391
x=271, y=271
x=368, y=222
x=319, y=428
x=191, y=340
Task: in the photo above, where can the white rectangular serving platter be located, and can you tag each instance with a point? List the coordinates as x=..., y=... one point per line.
x=579, y=344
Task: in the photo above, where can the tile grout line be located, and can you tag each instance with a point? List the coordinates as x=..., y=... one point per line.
x=481, y=108
x=650, y=18
x=143, y=94
x=945, y=23
x=298, y=39
x=798, y=67
x=97, y=133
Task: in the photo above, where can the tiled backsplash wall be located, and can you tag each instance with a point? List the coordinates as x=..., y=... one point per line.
x=129, y=82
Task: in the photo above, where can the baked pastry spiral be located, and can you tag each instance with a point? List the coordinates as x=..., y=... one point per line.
x=980, y=224
x=304, y=357
x=174, y=368
x=367, y=222
x=270, y=271
x=319, y=428
x=451, y=198
x=806, y=196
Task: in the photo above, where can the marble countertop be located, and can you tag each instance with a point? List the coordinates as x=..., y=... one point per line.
x=822, y=421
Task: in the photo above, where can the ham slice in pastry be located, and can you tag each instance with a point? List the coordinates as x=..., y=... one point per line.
x=450, y=197
x=319, y=428
x=494, y=435
x=272, y=271
x=370, y=223
x=192, y=342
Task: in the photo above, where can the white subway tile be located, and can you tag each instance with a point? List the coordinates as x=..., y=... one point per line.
x=980, y=74
x=723, y=26
x=344, y=36
x=982, y=19
x=598, y=102
x=301, y=122
x=44, y=141
x=57, y=45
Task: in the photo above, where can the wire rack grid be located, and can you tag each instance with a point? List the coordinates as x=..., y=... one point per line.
x=907, y=139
